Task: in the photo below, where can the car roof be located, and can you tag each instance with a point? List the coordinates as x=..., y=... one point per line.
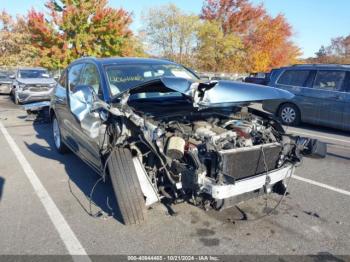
x=318, y=66
x=31, y=68
x=124, y=60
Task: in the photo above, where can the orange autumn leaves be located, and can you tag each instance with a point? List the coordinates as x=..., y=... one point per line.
x=76, y=28
x=266, y=40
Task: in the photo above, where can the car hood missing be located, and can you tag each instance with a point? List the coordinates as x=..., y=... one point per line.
x=210, y=94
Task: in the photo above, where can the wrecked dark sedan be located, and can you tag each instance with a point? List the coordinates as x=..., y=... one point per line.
x=160, y=133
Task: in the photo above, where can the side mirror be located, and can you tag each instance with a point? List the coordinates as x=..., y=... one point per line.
x=12, y=76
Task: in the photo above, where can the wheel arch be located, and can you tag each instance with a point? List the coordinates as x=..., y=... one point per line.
x=51, y=113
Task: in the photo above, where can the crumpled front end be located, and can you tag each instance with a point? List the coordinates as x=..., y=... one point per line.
x=34, y=94
x=205, y=153
x=211, y=158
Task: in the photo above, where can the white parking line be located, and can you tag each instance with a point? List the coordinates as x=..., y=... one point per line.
x=67, y=235
x=320, y=136
x=312, y=182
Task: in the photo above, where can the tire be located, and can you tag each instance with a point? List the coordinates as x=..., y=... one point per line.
x=56, y=133
x=12, y=94
x=289, y=114
x=15, y=99
x=126, y=186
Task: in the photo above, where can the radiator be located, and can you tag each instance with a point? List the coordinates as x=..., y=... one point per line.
x=244, y=162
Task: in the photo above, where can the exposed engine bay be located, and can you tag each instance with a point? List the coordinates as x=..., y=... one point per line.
x=200, y=156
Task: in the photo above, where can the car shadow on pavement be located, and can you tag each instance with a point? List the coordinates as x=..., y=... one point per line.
x=103, y=203
x=323, y=129
x=2, y=182
x=338, y=156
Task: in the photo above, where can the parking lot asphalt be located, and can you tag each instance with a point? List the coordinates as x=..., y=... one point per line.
x=313, y=219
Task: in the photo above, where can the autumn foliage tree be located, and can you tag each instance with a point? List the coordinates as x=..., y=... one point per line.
x=75, y=28
x=267, y=40
x=15, y=42
x=338, y=52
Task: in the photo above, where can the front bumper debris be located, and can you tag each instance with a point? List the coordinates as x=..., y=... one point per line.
x=245, y=185
x=37, y=106
x=27, y=96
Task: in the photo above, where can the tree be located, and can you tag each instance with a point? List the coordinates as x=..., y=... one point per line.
x=322, y=52
x=76, y=28
x=15, y=46
x=269, y=45
x=171, y=33
x=267, y=40
x=235, y=15
x=216, y=51
x=338, y=52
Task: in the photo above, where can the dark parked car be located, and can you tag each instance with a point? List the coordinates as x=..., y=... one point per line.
x=258, y=78
x=5, y=82
x=160, y=133
x=322, y=95
x=31, y=85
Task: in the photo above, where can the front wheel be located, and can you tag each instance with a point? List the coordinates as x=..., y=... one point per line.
x=126, y=186
x=289, y=114
x=16, y=99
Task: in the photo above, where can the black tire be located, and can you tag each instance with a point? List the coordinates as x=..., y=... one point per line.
x=56, y=133
x=12, y=94
x=289, y=114
x=126, y=186
x=15, y=100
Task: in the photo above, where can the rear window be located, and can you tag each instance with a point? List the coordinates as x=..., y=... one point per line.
x=294, y=77
x=33, y=73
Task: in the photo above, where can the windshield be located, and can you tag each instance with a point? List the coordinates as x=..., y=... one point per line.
x=124, y=77
x=33, y=73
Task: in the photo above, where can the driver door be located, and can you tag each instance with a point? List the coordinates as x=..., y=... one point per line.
x=85, y=125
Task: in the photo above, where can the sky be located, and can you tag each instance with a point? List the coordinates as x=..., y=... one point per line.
x=314, y=22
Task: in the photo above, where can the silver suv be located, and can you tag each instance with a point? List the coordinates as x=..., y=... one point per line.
x=322, y=95
x=32, y=85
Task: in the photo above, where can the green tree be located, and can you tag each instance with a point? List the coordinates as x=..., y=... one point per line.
x=15, y=42
x=171, y=33
x=76, y=28
x=217, y=51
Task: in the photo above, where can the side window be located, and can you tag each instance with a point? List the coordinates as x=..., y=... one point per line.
x=74, y=76
x=346, y=85
x=63, y=79
x=91, y=78
x=329, y=80
x=294, y=77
